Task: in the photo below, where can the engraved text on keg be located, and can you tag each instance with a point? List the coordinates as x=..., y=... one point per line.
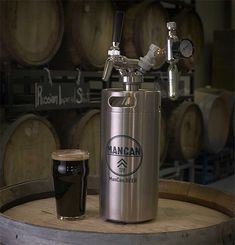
x=123, y=155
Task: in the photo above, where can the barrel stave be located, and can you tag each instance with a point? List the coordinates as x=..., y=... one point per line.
x=25, y=150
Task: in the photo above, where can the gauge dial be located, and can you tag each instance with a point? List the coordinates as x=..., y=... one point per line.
x=186, y=48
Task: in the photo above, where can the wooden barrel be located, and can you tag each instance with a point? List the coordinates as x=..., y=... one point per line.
x=25, y=150
x=215, y=120
x=187, y=214
x=228, y=98
x=144, y=24
x=31, y=31
x=189, y=26
x=88, y=34
x=80, y=131
x=185, y=127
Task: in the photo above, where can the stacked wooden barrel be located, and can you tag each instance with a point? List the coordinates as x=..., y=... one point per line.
x=80, y=131
x=88, y=34
x=216, y=107
x=184, y=124
x=25, y=149
x=30, y=31
x=145, y=23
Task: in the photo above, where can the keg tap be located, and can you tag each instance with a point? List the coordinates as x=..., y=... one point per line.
x=131, y=70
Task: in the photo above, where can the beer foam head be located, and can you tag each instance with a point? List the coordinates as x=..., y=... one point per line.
x=70, y=155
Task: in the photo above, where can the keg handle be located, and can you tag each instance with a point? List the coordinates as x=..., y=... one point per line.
x=49, y=75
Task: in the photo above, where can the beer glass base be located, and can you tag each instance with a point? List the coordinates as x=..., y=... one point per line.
x=71, y=218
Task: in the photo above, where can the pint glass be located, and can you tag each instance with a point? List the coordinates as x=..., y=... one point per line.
x=70, y=171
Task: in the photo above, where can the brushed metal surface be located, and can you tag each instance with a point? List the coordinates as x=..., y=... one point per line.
x=130, y=139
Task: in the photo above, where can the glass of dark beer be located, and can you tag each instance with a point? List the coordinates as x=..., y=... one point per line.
x=70, y=171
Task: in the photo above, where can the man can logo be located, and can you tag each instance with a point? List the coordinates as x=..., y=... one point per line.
x=123, y=155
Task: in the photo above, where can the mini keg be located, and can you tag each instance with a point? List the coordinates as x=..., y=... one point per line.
x=130, y=128
x=130, y=133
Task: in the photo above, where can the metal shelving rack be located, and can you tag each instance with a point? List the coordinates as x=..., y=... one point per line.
x=179, y=170
x=18, y=86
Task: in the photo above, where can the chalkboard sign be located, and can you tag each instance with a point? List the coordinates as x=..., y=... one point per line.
x=59, y=96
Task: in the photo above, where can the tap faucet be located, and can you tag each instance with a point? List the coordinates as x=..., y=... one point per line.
x=131, y=70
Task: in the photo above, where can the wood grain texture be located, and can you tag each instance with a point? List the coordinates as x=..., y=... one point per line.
x=215, y=120
x=145, y=23
x=185, y=127
x=186, y=215
x=31, y=31
x=172, y=216
x=85, y=134
x=25, y=151
x=89, y=32
x=80, y=131
x=228, y=98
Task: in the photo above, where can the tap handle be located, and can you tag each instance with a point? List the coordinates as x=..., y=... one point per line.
x=117, y=28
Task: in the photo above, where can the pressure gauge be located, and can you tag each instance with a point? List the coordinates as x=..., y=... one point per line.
x=186, y=48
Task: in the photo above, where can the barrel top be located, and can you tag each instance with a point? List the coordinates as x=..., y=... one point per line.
x=70, y=155
x=172, y=216
x=186, y=212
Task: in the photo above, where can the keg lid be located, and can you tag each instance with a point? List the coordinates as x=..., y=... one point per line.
x=70, y=155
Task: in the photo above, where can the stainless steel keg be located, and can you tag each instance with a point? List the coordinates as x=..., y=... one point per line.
x=130, y=129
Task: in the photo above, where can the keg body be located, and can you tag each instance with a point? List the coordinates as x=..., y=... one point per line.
x=130, y=139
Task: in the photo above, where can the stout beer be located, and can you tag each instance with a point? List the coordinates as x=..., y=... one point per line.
x=70, y=171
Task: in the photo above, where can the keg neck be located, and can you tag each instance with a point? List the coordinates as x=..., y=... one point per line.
x=131, y=82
